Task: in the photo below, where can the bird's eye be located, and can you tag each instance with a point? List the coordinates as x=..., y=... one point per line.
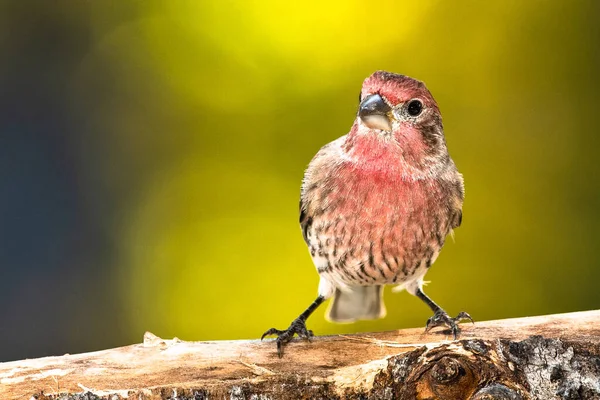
x=359, y=97
x=414, y=107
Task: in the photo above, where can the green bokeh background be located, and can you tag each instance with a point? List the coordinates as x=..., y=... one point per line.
x=196, y=119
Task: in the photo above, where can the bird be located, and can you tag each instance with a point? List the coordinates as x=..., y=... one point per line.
x=377, y=204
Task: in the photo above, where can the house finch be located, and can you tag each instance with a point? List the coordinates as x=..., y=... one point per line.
x=377, y=204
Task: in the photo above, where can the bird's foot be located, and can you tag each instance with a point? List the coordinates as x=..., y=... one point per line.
x=297, y=327
x=441, y=318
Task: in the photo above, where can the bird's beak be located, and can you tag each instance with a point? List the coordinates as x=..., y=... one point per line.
x=375, y=113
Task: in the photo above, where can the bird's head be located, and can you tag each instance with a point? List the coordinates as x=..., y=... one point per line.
x=399, y=114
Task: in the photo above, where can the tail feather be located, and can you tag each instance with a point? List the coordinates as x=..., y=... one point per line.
x=358, y=302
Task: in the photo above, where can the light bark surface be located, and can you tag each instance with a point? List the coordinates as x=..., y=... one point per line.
x=546, y=357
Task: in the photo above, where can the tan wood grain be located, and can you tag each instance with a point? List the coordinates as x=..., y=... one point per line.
x=217, y=364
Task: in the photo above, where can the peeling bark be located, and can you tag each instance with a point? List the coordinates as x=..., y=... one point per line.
x=550, y=357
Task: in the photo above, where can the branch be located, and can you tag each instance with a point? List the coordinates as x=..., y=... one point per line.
x=547, y=357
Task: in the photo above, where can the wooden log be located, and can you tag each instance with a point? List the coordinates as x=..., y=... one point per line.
x=546, y=357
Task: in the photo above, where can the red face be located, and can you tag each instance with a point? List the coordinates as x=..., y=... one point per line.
x=396, y=106
x=397, y=89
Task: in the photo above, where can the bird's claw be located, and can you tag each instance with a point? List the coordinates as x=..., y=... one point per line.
x=297, y=327
x=441, y=318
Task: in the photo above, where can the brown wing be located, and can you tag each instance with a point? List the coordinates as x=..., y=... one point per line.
x=305, y=221
x=459, y=195
x=314, y=176
x=457, y=219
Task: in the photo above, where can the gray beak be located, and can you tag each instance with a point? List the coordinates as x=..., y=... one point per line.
x=375, y=113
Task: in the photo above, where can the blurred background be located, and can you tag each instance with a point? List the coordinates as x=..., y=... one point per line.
x=151, y=155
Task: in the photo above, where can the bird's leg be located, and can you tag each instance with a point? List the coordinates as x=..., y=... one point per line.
x=297, y=327
x=441, y=317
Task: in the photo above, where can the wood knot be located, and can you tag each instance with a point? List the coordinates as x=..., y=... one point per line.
x=446, y=371
x=464, y=370
x=451, y=378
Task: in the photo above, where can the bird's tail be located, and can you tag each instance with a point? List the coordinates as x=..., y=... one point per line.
x=357, y=302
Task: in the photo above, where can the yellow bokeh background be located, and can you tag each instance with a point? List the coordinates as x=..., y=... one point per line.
x=198, y=118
